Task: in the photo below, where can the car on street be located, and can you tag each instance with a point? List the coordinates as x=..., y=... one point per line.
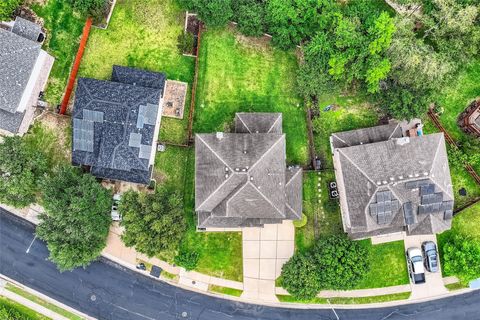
x=429, y=249
x=415, y=265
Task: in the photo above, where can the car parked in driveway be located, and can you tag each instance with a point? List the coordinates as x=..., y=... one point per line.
x=429, y=249
x=116, y=216
x=415, y=265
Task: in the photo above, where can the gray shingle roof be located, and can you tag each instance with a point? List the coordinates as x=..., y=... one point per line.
x=414, y=175
x=11, y=121
x=258, y=122
x=26, y=29
x=241, y=179
x=139, y=77
x=106, y=132
x=366, y=135
x=17, y=59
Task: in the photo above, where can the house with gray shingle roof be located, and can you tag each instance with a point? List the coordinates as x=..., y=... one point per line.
x=388, y=182
x=24, y=70
x=116, y=124
x=241, y=178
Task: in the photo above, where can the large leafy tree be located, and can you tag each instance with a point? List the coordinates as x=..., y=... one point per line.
x=300, y=276
x=77, y=218
x=250, y=16
x=21, y=168
x=153, y=222
x=7, y=7
x=212, y=12
x=461, y=255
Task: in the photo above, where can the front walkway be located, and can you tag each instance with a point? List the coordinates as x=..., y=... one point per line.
x=265, y=250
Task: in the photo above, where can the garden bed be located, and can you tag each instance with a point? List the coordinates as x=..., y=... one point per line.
x=174, y=99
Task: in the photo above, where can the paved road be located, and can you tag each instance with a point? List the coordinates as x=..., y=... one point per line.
x=107, y=291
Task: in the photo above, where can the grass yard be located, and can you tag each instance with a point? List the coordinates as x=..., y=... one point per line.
x=224, y=290
x=351, y=112
x=239, y=74
x=455, y=98
x=328, y=211
x=220, y=252
x=64, y=30
x=18, y=311
x=347, y=300
x=143, y=34
x=388, y=266
x=42, y=302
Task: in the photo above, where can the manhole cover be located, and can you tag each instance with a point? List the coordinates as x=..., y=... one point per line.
x=193, y=282
x=184, y=314
x=93, y=297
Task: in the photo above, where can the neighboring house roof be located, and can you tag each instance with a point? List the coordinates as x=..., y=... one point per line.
x=395, y=184
x=17, y=59
x=366, y=135
x=26, y=29
x=241, y=178
x=114, y=128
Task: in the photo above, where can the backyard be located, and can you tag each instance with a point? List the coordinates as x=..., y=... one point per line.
x=239, y=74
x=64, y=29
x=143, y=34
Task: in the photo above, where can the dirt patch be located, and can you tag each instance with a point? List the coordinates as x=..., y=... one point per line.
x=61, y=127
x=262, y=43
x=174, y=99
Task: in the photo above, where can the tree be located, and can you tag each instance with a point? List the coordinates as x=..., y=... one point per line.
x=21, y=169
x=300, y=276
x=153, y=222
x=461, y=255
x=7, y=7
x=77, y=218
x=250, y=16
x=212, y=12
x=340, y=262
x=93, y=7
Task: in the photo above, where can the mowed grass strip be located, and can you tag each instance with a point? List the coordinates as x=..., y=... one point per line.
x=239, y=74
x=21, y=312
x=64, y=28
x=143, y=34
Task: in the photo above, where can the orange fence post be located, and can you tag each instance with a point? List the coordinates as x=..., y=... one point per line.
x=76, y=65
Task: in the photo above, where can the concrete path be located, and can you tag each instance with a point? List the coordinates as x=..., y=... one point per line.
x=265, y=250
x=434, y=285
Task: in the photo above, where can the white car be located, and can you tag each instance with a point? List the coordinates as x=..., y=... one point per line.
x=416, y=269
x=116, y=216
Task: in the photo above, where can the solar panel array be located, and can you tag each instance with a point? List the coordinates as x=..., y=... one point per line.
x=82, y=135
x=427, y=189
x=385, y=207
x=416, y=184
x=147, y=114
x=408, y=213
x=145, y=151
x=91, y=115
x=135, y=140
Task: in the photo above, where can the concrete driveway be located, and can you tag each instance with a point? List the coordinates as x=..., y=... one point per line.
x=265, y=250
x=434, y=285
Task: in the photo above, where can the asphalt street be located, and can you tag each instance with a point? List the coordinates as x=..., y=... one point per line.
x=106, y=290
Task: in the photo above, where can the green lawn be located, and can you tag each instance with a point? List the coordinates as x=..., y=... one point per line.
x=455, y=97
x=18, y=311
x=347, y=300
x=388, y=266
x=143, y=34
x=64, y=30
x=224, y=290
x=237, y=74
x=42, y=302
x=351, y=112
x=328, y=211
x=220, y=252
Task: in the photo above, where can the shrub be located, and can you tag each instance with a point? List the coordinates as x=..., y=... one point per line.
x=250, y=16
x=340, y=262
x=212, y=12
x=21, y=169
x=300, y=276
x=153, y=222
x=302, y=222
x=185, y=43
x=186, y=259
x=77, y=218
x=94, y=8
x=7, y=7
x=461, y=256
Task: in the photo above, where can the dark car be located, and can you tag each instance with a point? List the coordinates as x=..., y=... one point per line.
x=431, y=257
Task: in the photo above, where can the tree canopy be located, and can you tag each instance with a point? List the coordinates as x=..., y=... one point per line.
x=77, y=218
x=461, y=255
x=153, y=222
x=21, y=169
x=7, y=7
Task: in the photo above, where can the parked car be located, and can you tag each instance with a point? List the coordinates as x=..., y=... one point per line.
x=415, y=265
x=429, y=250
x=116, y=216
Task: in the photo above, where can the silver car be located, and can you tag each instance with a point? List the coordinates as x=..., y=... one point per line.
x=431, y=257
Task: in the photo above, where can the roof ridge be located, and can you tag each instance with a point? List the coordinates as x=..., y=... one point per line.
x=268, y=200
x=393, y=131
x=274, y=122
x=356, y=166
x=240, y=118
x=282, y=137
x=442, y=138
x=292, y=177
